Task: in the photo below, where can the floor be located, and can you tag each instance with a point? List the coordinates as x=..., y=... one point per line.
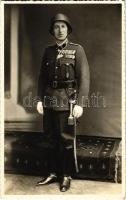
x=25, y=185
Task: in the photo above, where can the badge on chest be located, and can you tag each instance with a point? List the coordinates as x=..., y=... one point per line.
x=65, y=67
x=66, y=54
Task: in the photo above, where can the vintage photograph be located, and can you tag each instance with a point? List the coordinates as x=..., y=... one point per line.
x=63, y=99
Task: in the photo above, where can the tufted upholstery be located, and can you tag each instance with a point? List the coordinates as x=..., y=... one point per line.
x=99, y=158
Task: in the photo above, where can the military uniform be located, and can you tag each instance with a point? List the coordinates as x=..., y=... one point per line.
x=64, y=78
x=64, y=75
x=64, y=70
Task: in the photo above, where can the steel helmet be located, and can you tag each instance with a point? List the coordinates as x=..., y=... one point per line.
x=60, y=17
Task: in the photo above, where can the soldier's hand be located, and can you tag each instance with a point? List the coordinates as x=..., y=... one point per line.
x=40, y=107
x=77, y=111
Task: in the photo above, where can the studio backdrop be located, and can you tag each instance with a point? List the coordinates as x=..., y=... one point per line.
x=98, y=29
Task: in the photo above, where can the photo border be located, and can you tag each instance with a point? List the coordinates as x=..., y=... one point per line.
x=85, y=197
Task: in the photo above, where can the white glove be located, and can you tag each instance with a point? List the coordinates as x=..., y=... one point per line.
x=40, y=107
x=77, y=111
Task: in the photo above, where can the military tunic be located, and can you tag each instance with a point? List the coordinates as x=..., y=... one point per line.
x=60, y=67
x=64, y=73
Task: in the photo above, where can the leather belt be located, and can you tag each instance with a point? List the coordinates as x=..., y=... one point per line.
x=62, y=84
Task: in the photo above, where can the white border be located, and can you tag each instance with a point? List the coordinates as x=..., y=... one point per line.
x=1, y=99
x=123, y=104
x=85, y=197
x=64, y=2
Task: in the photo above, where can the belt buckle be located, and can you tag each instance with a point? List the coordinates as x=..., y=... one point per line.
x=55, y=84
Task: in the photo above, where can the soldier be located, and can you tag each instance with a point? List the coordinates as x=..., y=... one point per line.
x=64, y=77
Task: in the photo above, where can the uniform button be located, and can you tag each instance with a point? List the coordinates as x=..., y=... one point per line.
x=56, y=76
x=56, y=67
x=67, y=64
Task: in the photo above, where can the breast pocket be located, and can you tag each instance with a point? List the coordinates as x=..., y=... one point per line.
x=67, y=69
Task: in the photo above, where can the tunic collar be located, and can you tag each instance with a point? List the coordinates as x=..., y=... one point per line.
x=62, y=45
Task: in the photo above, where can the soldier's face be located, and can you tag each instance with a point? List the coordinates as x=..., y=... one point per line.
x=60, y=30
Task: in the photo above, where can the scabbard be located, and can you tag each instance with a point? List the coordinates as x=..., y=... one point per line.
x=75, y=146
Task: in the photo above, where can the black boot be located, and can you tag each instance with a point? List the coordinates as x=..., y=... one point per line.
x=50, y=179
x=65, y=183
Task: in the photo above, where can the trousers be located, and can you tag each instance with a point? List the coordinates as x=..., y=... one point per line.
x=61, y=135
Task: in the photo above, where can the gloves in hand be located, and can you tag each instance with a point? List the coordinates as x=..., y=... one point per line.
x=40, y=108
x=77, y=111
